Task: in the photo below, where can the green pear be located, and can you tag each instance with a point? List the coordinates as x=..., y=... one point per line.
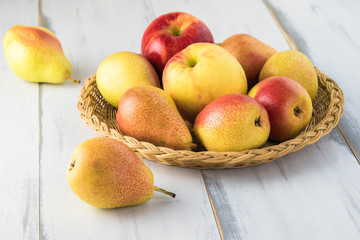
x=122, y=71
x=294, y=65
x=35, y=54
x=105, y=173
x=149, y=114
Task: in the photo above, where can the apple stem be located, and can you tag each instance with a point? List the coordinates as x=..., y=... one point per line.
x=74, y=80
x=164, y=191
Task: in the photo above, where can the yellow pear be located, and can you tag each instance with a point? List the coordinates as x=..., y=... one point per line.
x=122, y=71
x=294, y=65
x=105, y=173
x=234, y=122
x=35, y=54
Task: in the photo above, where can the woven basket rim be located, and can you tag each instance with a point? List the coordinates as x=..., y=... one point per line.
x=219, y=160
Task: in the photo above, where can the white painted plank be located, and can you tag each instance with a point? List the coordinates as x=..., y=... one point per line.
x=89, y=33
x=328, y=32
x=311, y=194
x=19, y=151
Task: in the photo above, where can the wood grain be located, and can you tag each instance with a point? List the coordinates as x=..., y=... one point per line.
x=19, y=141
x=327, y=33
x=90, y=32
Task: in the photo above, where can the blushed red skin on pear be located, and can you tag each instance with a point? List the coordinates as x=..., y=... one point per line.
x=251, y=54
x=229, y=124
x=158, y=44
x=35, y=54
x=106, y=173
x=32, y=35
x=280, y=96
x=149, y=114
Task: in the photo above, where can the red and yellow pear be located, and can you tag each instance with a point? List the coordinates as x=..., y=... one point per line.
x=288, y=104
x=250, y=52
x=234, y=122
x=105, y=173
x=149, y=114
x=35, y=54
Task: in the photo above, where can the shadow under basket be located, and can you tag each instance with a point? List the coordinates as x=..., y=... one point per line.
x=328, y=109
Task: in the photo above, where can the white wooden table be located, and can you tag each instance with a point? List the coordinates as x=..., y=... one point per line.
x=310, y=194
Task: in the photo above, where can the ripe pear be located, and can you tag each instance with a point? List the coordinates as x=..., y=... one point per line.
x=105, y=173
x=288, y=104
x=149, y=114
x=233, y=122
x=250, y=52
x=35, y=54
x=122, y=71
x=294, y=65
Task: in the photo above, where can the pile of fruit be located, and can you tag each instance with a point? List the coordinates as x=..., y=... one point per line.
x=182, y=75
x=236, y=95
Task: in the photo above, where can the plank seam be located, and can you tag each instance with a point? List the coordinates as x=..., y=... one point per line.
x=349, y=145
x=221, y=233
x=290, y=41
x=41, y=22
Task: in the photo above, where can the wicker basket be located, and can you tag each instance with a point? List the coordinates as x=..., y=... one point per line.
x=328, y=109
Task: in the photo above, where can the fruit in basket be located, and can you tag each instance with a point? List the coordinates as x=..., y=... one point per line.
x=105, y=173
x=292, y=64
x=35, y=54
x=234, y=122
x=288, y=104
x=149, y=114
x=122, y=71
x=199, y=74
x=170, y=33
x=251, y=54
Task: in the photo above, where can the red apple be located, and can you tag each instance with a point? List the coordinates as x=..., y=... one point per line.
x=288, y=104
x=169, y=34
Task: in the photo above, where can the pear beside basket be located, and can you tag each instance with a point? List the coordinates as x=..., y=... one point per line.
x=328, y=109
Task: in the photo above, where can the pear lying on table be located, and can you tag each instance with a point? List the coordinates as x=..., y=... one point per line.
x=35, y=54
x=149, y=114
x=105, y=173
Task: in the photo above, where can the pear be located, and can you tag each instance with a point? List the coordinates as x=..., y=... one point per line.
x=122, y=71
x=250, y=52
x=105, y=173
x=294, y=65
x=233, y=122
x=149, y=114
x=35, y=54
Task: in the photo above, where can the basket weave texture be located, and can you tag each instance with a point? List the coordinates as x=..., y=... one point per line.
x=328, y=109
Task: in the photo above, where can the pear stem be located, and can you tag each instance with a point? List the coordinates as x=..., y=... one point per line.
x=74, y=80
x=164, y=191
x=193, y=146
